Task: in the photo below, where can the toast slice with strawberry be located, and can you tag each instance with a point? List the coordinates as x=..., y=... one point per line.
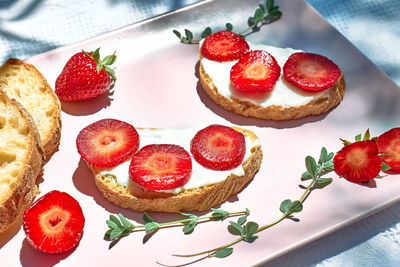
x=21, y=160
x=252, y=84
x=174, y=170
x=24, y=83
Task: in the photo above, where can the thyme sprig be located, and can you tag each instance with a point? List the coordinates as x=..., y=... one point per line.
x=264, y=14
x=247, y=230
x=120, y=226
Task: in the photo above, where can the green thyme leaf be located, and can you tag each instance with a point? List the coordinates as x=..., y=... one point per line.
x=285, y=206
x=250, y=21
x=295, y=206
x=112, y=224
x=330, y=156
x=207, y=31
x=108, y=233
x=189, y=35
x=242, y=219
x=188, y=228
x=328, y=166
x=124, y=221
x=275, y=13
x=261, y=6
x=322, y=182
x=147, y=218
x=229, y=27
x=222, y=253
x=115, y=233
x=385, y=167
x=219, y=214
x=250, y=228
x=189, y=215
x=258, y=15
x=151, y=227
x=235, y=228
x=311, y=166
x=270, y=4
x=177, y=33
x=323, y=156
x=306, y=176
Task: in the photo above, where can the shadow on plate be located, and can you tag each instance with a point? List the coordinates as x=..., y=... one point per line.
x=82, y=108
x=249, y=121
x=31, y=257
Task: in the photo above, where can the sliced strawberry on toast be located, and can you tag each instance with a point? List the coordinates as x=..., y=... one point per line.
x=161, y=167
x=54, y=223
x=224, y=46
x=107, y=143
x=358, y=162
x=218, y=147
x=389, y=147
x=255, y=72
x=311, y=72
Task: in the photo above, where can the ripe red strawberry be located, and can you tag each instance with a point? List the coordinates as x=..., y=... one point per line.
x=85, y=76
x=218, y=147
x=54, y=223
x=389, y=147
x=311, y=72
x=224, y=46
x=358, y=162
x=255, y=72
x=107, y=142
x=161, y=167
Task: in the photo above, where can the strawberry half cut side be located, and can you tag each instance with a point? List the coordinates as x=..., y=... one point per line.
x=255, y=72
x=107, y=142
x=389, y=147
x=54, y=223
x=218, y=147
x=224, y=46
x=161, y=167
x=311, y=72
x=358, y=162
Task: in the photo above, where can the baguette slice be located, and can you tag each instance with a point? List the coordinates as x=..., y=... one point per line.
x=21, y=160
x=24, y=83
x=196, y=199
x=330, y=97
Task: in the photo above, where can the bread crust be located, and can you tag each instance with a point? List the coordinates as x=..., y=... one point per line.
x=246, y=108
x=25, y=189
x=51, y=138
x=200, y=199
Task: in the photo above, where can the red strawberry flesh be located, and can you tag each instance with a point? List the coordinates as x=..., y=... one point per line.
x=54, y=223
x=107, y=143
x=218, y=147
x=224, y=46
x=311, y=72
x=161, y=167
x=358, y=162
x=255, y=72
x=389, y=146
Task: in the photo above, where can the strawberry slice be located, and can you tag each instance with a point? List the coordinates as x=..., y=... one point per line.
x=358, y=162
x=218, y=147
x=389, y=146
x=107, y=142
x=310, y=72
x=224, y=46
x=255, y=72
x=161, y=167
x=54, y=223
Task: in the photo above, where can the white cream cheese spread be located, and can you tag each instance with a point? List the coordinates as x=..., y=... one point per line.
x=284, y=94
x=200, y=176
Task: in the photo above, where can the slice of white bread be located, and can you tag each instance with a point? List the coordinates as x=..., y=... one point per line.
x=285, y=110
x=24, y=83
x=195, y=199
x=21, y=160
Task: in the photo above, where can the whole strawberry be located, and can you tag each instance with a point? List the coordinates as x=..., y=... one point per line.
x=85, y=76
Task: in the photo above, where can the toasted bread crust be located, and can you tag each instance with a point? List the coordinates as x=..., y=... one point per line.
x=200, y=199
x=246, y=108
x=50, y=136
x=24, y=189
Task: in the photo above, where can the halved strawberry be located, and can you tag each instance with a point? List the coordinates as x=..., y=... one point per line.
x=218, y=147
x=224, y=46
x=161, y=167
x=255, y=72
x=310, y=72
x=54, y=223
x=107, y=142
x=389, y=147
x=358, y=162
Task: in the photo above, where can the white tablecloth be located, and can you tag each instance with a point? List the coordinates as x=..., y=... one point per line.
x=30, y=27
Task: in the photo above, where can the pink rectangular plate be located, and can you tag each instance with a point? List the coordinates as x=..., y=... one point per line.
x=158, y=86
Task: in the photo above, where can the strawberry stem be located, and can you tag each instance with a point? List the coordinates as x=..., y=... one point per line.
x=104, y=63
